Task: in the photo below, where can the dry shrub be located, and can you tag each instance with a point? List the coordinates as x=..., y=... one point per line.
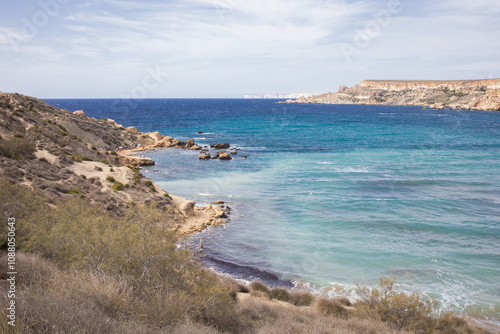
x=163, y=308
x=31, y=269
x=16, y=147
x=332, y=307
x=344, y=301
x=301, y=298
x=112, y=296
x=232, y=286
x=451, y=324
x=259, y=294
x=190, y=327
x=279, y=294
x=399, y=309
x=59, y=311
x=256, y=311
x=271, y=318
x=258, y=286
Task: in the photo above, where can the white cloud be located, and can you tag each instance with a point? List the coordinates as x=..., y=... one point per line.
x=242, y=45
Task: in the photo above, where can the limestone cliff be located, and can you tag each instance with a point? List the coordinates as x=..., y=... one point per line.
x=455, y=94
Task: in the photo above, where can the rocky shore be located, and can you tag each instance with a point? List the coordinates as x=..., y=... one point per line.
x=433, y=94
x=64, y=154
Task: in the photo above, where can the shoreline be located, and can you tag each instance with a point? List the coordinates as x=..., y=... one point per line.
x=197, y=219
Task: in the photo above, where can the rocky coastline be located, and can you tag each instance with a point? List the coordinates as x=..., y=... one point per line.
x=432, y=94
x=64, y=154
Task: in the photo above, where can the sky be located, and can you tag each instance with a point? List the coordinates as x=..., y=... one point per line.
x=229, y=48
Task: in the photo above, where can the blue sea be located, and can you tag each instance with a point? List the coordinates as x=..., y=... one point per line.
x=334, y=195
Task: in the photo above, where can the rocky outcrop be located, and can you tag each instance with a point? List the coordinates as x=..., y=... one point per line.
x=187, y=208
x=223, y=155
x=79, y=113
x=220, y=146
x=454, y=94
x=133, y=130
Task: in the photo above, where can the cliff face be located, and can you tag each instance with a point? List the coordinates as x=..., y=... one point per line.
x=398, y=85
x=455, y=94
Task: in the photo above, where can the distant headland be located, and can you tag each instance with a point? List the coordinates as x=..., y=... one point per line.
x=435, y=94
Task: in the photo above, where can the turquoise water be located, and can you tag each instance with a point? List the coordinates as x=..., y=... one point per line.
x=331, y=195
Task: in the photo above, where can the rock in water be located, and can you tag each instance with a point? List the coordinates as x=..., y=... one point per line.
x=224, y=156
x=220, y=146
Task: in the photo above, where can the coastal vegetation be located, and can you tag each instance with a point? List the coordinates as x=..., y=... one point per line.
x=94, y=260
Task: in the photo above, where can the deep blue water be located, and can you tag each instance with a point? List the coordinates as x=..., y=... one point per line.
x=331, y=195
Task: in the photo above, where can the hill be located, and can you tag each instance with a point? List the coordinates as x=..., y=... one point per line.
x=438, y=94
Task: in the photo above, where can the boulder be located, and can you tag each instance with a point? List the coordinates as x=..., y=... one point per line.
x=79, y=113
x=224, y=156
x=195, y=147
x=220, y=146
x=187, y=208
x=132, y=129
x=218, y=212
x=204, y=157
x=146, y=162
x=189, y=143
x=234, y=152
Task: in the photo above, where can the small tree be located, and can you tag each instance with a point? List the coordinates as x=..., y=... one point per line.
x=399, y=309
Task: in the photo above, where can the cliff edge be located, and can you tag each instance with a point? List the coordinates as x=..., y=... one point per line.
x=437, y=94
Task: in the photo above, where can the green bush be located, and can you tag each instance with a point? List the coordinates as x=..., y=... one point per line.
x=80, y=158
x=118, y=186
x=104, y=161
x=112, y=153
x=110, y=179
x=76, y=192
x=148, y=183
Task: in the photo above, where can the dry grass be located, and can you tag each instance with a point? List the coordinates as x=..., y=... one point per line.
x=268, y=317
